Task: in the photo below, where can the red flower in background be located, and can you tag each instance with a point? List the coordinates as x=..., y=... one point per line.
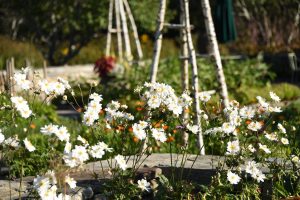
x=104, y=65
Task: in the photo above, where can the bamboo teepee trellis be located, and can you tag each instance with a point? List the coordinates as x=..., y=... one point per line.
x=122, y=11
x=188, y=55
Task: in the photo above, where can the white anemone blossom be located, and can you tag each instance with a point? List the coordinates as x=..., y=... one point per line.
x=143, y=184
x=28, y=145
x=21, y=80
x=159, y=134
x=254, y=126
x=233, y=178
x=22, y=106
x=233, y=147
x=121, y=162
x=98, y=150
x=254, y=171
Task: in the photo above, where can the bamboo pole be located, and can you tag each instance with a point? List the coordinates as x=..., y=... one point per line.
x=118, y=27
x=134, y=29
x=108, y=37
x=158, y=40
x=45, y=74
x=128, y=53
x=212, y=39
x=184, y=67
x=195, y=77
x=12, y=71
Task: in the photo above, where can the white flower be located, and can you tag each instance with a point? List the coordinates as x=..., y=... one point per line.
x=62, y=134
x=271, y=136
x=138, y=131
x=251, y=148
x=284, y=141
x=82, y=140
x=22, y=106
x=58, y=88
x=12, y=141
x=68, y=147
x=28, y=145
x=233, y=178
x=70, y=181
x=51, y=175
x=159, y=134
x=80, y=153
x=62, y=196
x=193, y=128
x=274, y=97
x=20, y=79
x=185, y=100
x=121, y=162
x=204, y=96
x=295, y=159
x=262, y=102
x=25, y=112
x=233, y=147
x=264, y=148
x=2, y=138
x=228, y=128
x=64, y=82
x=281, y=128
x=274, y=109
x=49, y=129
x=247, y=112
x=41, y=184
x=98, y=150
x=252, y=169
x=144, y=185
x=254, y=126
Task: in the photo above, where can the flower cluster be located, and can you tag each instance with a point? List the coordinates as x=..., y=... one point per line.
x=159, y=94
x=54, y=87
x=21, y=79
x=92, y=112
x=21, y=105
x=46, y=186
x=61, y=132
x=113, y=113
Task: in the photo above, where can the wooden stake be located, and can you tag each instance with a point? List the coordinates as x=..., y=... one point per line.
x=184, y=67
x=134, y=29
x=45, y=74
x=118, y=27
x=108, y=38
x=212, y=39
x=128, y=53
x=158, y=40
x=195, y=77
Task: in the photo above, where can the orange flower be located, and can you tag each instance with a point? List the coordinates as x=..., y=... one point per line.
x=33, y=126
x=79, y=109
x=120, y=128
x=130, y=129
x=135, y=139
x=174, y=131
x=144, y=38
x=139, y=103
x=187, y=110
x=165, y=127
x=262, y=123
x=248, y=122
x=139, y=108
x=170, y=139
